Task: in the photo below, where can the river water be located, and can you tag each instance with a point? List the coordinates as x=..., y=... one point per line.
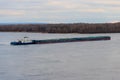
x=96, y=60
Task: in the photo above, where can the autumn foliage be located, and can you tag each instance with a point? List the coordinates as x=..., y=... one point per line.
x=63, y=28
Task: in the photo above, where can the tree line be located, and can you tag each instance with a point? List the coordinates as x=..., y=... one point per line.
x=63, y=28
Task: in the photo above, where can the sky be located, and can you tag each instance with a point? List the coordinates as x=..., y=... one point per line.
x=59, y=11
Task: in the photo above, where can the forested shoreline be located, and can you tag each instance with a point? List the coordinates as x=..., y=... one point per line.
x=63, y=28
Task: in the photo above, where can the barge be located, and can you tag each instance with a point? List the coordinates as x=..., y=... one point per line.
x=25, y=41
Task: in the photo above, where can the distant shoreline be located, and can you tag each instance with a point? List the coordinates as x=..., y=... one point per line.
x=63, y=28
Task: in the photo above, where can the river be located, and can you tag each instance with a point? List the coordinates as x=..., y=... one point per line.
x=91, y=60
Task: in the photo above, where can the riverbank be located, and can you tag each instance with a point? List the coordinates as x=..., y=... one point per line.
x=63, y=28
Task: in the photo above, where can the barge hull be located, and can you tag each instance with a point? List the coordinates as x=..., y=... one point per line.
x=71, y=40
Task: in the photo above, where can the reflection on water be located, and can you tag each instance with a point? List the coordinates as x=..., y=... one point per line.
x=97, y=60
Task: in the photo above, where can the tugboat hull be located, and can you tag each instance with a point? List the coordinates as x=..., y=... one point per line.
x=19, y=43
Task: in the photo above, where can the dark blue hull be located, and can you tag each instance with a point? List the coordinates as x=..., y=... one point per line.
x=19, y=43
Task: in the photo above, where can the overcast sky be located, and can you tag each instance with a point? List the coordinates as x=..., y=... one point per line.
x=59, y=11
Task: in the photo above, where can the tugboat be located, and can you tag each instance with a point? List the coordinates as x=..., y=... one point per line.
x=24, y=41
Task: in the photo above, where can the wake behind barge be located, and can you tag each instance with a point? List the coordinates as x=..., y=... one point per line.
x=63, y=40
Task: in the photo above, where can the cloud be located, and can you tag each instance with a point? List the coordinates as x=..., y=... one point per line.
x=114, y=21
x=11, y=12
x=93, y=10
x=108, y=2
